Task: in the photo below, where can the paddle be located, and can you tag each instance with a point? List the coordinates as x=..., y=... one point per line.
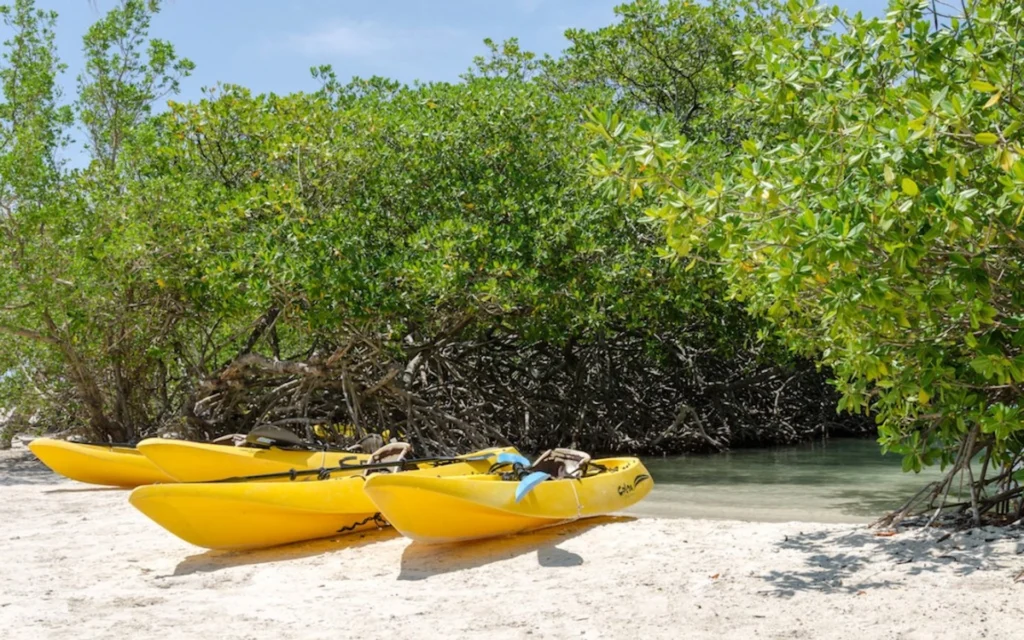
x=530, y=481
x=326, y=471
x=522, y=465
x=120, y=445
x=512, y=458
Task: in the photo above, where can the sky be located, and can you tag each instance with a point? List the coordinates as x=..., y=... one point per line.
x=270, y=45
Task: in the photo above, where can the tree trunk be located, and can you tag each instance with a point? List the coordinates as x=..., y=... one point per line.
x=88, y=391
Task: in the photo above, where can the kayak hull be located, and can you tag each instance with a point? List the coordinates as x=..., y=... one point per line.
x=204, y=462
x=251, y=515
x=110, y=466
x=453, y=509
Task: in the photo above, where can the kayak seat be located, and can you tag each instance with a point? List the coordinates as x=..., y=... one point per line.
x=562, y=463
x=368, y=443
x=235, y=439
x=271, y=436
x=393, y=452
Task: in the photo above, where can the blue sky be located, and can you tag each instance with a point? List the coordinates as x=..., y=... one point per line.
x=269, y=45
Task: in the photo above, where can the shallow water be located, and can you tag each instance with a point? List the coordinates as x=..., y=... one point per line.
x=838, y=480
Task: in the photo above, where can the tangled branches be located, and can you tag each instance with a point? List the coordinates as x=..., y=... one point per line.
x=472, y=389
x=994, y=494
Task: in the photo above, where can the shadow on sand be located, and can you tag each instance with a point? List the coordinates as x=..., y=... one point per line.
x=21, y=467
x=421, y=561
x=86, y=488
x=846, y=562
x=211, y=561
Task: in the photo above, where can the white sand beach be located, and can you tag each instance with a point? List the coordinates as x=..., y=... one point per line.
x=80, y=562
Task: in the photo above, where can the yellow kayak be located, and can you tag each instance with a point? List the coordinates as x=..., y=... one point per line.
x=98, y=464
x=435, y=509
x=248, y=515
x=204, y=462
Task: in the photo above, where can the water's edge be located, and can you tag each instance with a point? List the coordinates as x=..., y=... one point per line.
x=841, y=480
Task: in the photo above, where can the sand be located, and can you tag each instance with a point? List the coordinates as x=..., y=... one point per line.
x=80, y=562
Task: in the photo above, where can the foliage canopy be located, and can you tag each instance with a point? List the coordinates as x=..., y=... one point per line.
x=874, y=216
x=431, y=257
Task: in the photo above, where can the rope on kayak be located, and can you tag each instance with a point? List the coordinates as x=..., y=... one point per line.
x=377, y=518
x=579, y=507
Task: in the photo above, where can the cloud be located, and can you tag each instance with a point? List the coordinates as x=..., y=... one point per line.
x=361, y=39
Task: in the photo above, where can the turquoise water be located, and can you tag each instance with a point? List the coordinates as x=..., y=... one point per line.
x=838, y=480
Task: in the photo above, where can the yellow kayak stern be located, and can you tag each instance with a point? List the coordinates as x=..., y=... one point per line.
x=97, y=464
x=187, y=461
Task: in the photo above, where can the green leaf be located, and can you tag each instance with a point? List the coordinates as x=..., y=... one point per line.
x=981, y=85
x=907, y=463
x=982, y=365
x=910, y=187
